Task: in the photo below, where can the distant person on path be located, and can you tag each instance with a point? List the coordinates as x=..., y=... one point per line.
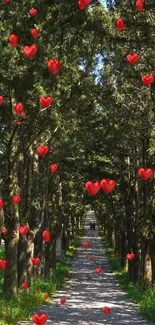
x=92, y=225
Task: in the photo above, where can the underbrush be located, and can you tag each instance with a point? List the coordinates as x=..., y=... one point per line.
x=143, y=297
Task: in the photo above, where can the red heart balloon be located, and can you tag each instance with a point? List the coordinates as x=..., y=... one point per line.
x=39, y=319
x=16, y=199
x=23, y=230
x=45, y=296
x=86, y=244
x=42, y=150
x=120, y=24
x=1, y=203
x=30, y=51
x=19, y=107
x=46, y=101
x=92, y=257
x=54, y=66
x=130, y=256
x=1, y=99
x=4, y=231
x=147, y=80
x=33, y=12
x=3, y=264
x=106, y=310
x=132, y=58
x=145, y=173
x=81, y=5
x=53, y=168
x=62, y=301
x=98, y=270
x=140, y=5
x=24, y=285
x=92, y=188
x=34, y=33
x=46, y=236
x=35, y=260
x=13, y=39
x=5, y=1
x=108, y=186
x=19, y=123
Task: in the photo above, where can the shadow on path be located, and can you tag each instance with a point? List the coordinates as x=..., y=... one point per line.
x=87, y=292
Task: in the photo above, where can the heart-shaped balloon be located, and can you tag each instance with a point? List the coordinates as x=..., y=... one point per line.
x=1, y=99
x=145, y=173
x=98, y=270
x=33, y=12
x=35, y=260
x=4, y=231
x=19, y=107
x=46, y=236
x=13, y=39
x=16, y=199
x=30, y=51
x=54, y=66
x=46, y=101
x=130, y=256
x=24, y=285
x=86, y=244
x=34, y=33
x=92, y=188
x=42, y=150
x=120, y=24
x=147, y=80
x=23, y=230
x=45, y=296
x=3, y=264
x=108, y=185
x=106, y=310
x=39, y=319
x=92, y=257
x=53, y=168
x=140, y=5
x=19, y=123
x=132, y=58
x=1, y=203
x=81, y=5
x=62, y=301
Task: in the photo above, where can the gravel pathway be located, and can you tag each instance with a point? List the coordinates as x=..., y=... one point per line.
x=87, y=292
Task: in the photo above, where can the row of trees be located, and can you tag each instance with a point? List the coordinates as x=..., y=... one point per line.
x=54, y=202
x=128, y=214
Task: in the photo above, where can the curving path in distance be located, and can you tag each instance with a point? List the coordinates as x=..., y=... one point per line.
x=88, y=292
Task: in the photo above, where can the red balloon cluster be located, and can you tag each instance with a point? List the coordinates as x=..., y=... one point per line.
x=93, y=188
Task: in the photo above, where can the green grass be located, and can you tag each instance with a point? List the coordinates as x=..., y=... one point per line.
x=144, y=298
x=22, y=307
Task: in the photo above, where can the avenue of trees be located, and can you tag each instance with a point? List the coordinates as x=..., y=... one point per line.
x=100, y=125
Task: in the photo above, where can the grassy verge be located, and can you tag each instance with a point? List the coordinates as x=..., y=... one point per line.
x=144, y=298
x=22, y=307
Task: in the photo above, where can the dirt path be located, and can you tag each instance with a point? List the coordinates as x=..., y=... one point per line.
x=87, y=292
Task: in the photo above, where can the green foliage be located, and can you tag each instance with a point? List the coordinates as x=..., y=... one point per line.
x=21, y=308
